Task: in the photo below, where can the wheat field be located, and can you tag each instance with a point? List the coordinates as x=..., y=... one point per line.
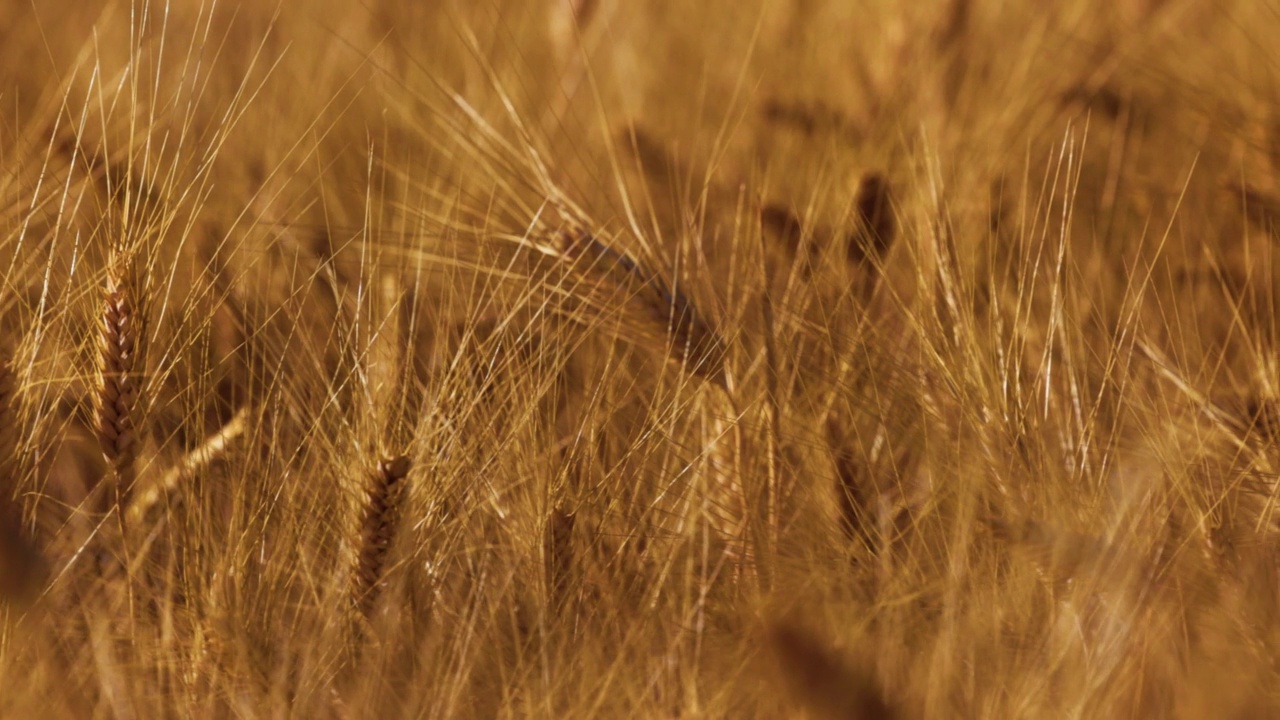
x=595, y=359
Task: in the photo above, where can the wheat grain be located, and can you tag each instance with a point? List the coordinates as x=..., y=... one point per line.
x=810, y=119
x=1260, y=206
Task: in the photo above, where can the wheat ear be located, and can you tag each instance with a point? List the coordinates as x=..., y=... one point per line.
x=118, y=383
x=660, y=313
x=385, y=495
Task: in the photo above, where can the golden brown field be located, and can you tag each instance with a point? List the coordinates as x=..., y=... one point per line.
x=591, y=358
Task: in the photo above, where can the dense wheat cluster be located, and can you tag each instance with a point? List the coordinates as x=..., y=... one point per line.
x=591, y=358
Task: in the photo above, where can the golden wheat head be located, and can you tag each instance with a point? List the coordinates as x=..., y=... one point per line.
x=118, y=382
x=654, y=313
x=385, y=495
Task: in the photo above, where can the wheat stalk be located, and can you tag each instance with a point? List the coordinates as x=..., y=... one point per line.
x=385, y=495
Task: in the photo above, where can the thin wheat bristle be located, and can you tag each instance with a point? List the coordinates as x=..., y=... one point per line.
x=663, y=315
x=118, y=383
x=378, y=530
x=823, y=680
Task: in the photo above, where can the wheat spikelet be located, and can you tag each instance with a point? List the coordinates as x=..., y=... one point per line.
x=954, y=25
x=384, y=357
x=118, y=383
x=378, y=529
x=661, y=315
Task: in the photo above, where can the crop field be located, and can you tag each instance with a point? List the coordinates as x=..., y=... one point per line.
x=639, y=359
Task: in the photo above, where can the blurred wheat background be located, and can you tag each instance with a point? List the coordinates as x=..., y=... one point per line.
x=590, y=358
